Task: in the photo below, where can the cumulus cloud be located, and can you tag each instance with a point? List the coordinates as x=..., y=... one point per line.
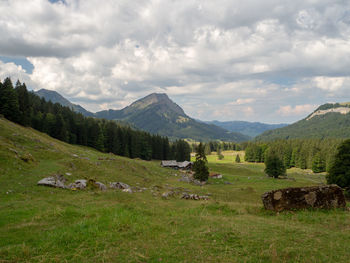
x=14, y=72
x=242, y=101
x=297, y=110
x=224, y=59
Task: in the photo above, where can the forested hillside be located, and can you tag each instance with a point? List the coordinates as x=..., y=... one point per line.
x=28, y=109
x=327, y=121
x=55, y=97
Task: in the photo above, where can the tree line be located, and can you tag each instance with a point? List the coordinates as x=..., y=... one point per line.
x=315, y=154
x=19, y=105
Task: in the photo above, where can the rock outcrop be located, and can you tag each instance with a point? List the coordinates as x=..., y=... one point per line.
x=194, y=197
x=327, y=197
x=119, y=185
x=78, y=184
x=57, y=181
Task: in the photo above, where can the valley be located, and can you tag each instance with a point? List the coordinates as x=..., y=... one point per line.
x=43, y=224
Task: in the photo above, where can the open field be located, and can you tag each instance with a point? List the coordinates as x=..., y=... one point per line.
x=42, y=224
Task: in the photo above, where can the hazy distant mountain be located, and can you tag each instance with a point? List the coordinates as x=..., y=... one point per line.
x=55, y=97
x=248, y=128
x=327, y=121
x=156, y=113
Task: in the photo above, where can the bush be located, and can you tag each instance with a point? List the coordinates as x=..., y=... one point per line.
x=339, y=172
x=274, y=166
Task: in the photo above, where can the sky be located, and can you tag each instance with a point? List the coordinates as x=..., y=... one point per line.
x=269, y=61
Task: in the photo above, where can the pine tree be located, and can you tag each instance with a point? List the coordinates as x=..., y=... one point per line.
x=201, y=170
x=219, y=153
x=318, y=163
x=9, y=101
x=238, y=159
x=207, y=149
x=339, y=172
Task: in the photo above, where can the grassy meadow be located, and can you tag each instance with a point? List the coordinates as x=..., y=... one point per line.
x=42, y=224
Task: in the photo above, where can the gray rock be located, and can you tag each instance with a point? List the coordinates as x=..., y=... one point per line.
x=101, y=186
x=185, y=178
x=119, y=185
x=56, y=181
x=327, y=197
x=194, y=197
x=199, y=183
x=168, y=194
x=127, y=190
x=78, y=184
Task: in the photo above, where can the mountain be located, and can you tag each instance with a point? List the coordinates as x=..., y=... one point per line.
x=327, y=121
x=55, y=97
x=156, y=113
x=251, y=129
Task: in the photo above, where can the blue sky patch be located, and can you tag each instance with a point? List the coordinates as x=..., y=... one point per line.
x=19, y=61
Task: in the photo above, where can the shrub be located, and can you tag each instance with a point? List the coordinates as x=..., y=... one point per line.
x=274, y=166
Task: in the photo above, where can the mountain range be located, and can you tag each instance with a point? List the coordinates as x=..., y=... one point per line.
x=251, y=129
x=158, y=114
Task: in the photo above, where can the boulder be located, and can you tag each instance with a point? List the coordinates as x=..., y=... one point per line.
x=327, y=197
x=199, y=183
x=56, y=180
x=119, y=185
x=194, y=197
x=78, y=184
x=101, y=186
x=168, y=194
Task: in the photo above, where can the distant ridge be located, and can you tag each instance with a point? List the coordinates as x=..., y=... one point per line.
x=327, y=121
x=247, y=128
x=55, y=97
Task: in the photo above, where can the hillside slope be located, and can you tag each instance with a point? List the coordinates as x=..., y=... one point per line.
x=44, y=224
x=156, y=113
x=327, y=121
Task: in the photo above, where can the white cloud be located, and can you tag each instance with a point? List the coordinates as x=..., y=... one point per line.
x=14, y=72
x=242, y=101
x=257, y=55
x=332, y=84
x=297, y=110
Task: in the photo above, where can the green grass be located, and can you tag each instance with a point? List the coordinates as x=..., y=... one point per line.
x=41, y=224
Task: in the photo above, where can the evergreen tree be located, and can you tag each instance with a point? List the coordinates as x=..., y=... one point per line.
x=219, y=153
x=8, y=101
x=238, y=159
x=274, y=166
x=23, y=101
x=318, y=163
x=200, y=168
x=207, y=149
x=183, y=151
x=339, y=172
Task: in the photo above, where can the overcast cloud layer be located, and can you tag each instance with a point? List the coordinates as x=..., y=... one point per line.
x=270, y=61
